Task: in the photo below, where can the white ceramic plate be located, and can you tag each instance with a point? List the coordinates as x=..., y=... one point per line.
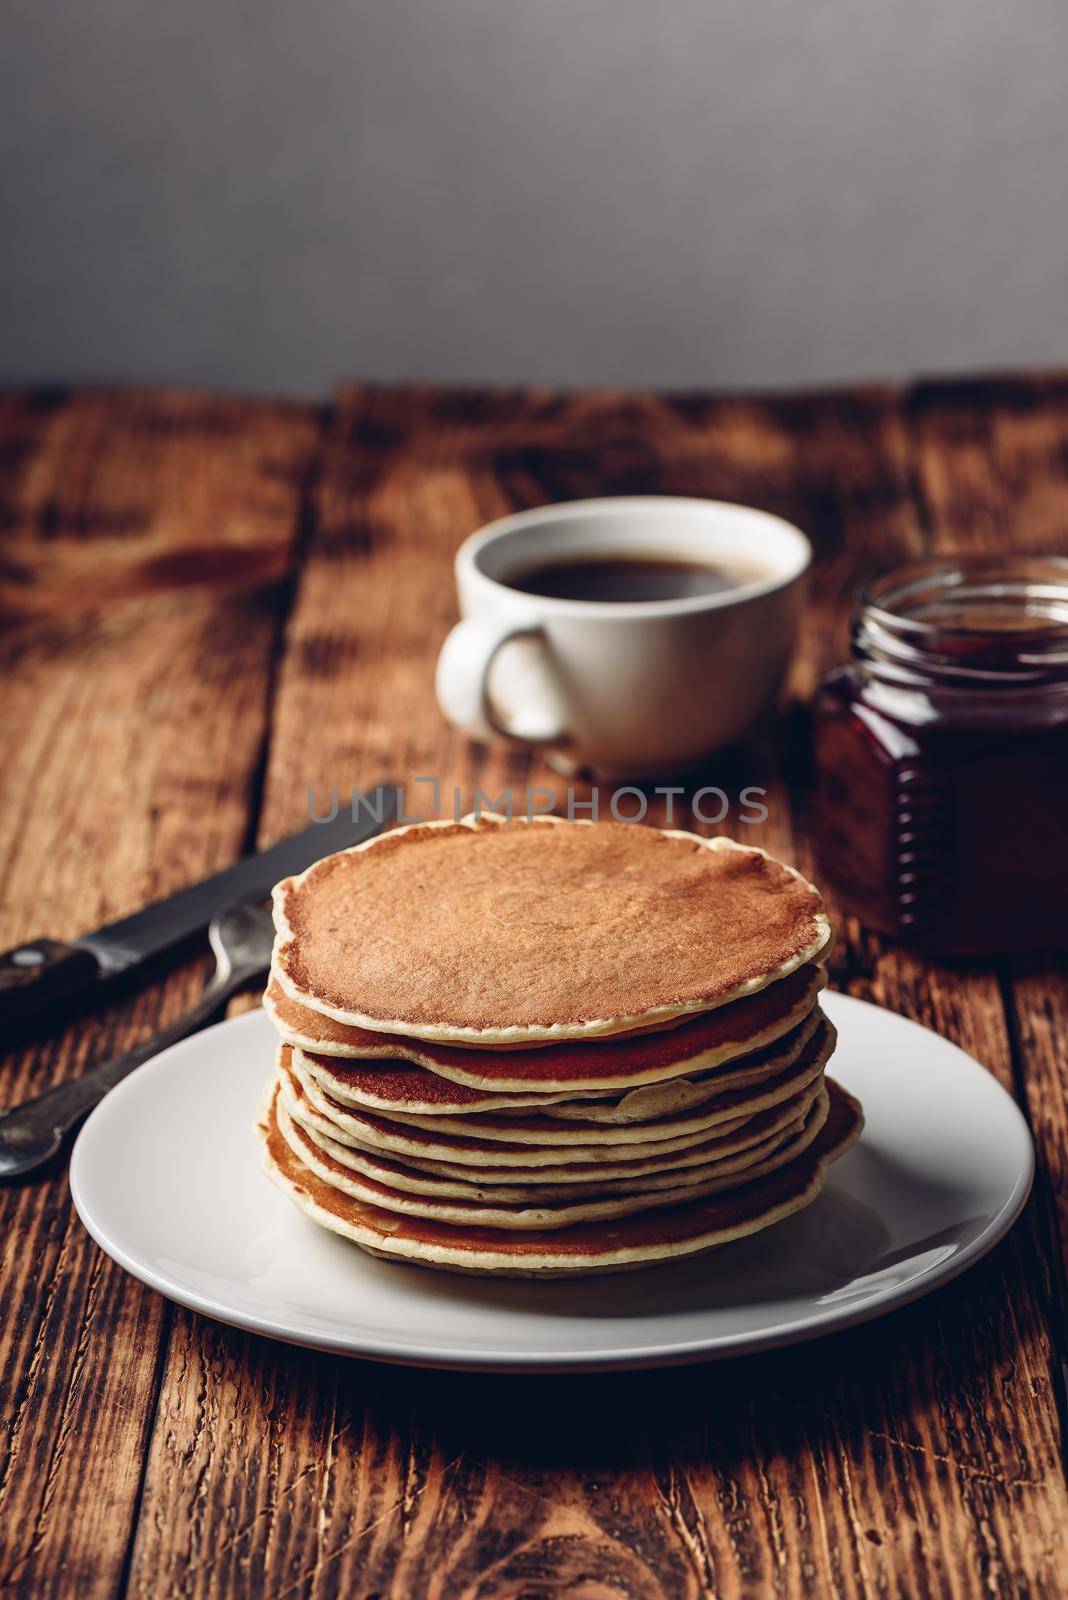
x=175, y=1194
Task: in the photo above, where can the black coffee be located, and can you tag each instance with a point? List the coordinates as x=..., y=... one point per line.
x=633, y=578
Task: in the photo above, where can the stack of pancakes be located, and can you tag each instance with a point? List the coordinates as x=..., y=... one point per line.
x=544, y=1048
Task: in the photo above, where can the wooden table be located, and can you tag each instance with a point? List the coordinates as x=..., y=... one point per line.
x=212, y=605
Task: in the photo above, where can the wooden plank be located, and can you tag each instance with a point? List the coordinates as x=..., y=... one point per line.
x=965, y=1005
x=992, y=468
x=915, y=1456
x=874, y=520
x=134, y=704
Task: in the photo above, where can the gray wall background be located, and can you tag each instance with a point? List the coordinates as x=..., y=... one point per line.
x=260, y=195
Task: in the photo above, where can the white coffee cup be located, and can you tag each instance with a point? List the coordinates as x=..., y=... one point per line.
x=628, y=689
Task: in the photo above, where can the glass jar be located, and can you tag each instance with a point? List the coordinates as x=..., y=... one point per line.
x=942, y=756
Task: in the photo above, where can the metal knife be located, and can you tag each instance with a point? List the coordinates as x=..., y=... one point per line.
x=46, y=972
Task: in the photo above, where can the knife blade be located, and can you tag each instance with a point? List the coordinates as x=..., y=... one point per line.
x=44, y=972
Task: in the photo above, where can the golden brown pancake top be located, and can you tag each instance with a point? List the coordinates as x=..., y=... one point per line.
x=501, y=926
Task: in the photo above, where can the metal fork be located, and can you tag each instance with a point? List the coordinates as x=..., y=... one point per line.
x=241, y=936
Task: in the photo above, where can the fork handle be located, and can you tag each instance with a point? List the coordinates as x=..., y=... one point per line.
x=31, y=1133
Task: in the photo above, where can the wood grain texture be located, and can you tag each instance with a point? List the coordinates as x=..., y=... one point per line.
x=917, y=1456
x=133, y=733
x=1008, y=490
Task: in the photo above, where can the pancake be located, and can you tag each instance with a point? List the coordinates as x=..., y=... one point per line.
x=482, y=1161
x=559, y=1213
x=373, y=1133
x=534, y=1127
x=536, y=1136
x=397, y=1174
x=663, y=1234
x=599, y=1066
x=676, y=1095
x=407, y=1090
x=498, y=931
x=299, y=1024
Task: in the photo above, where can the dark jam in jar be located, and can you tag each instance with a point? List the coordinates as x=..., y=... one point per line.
x=942, y=757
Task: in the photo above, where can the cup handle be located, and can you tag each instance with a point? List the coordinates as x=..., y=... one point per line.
x=462, y=679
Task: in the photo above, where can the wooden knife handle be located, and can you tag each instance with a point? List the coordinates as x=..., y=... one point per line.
x=42, y=974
